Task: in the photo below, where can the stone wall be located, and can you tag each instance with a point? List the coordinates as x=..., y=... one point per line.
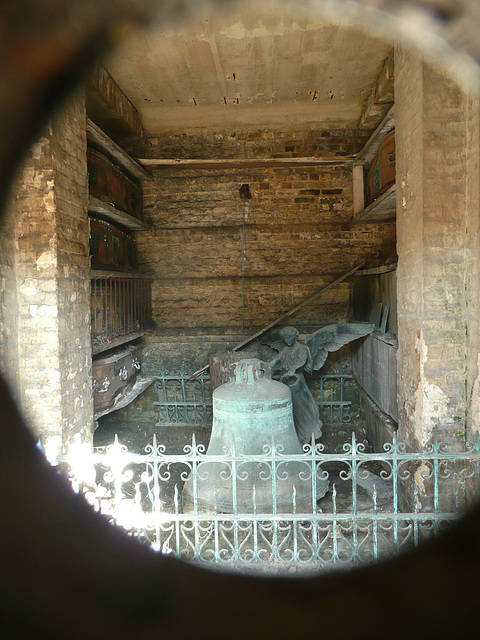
x=73, y=270
x=298, y=231
x=47, y=350
x=472, y=266
x=437, y=229
x=257, y=142
x=8, y=300
x=113, y=112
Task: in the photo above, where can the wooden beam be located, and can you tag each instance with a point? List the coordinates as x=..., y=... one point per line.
x=383, y=208
x=376, y=271
x=358, y=189
x=284, y=316
x=111, y=109
x=367, y=154
x=113, y=214
x=242, y=163
x=381, y=97
x=96, y=135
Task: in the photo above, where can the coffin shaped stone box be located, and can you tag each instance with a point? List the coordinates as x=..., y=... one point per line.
x=109, y=184
x=113, y=374
x=111, y=248
x=381, y=175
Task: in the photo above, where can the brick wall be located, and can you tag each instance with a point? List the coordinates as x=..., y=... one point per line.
x=437, y=212
x=73, y=269
x=472, y=266
x=48, y=350
x=258, y=142
x=8, y=300
x=298, y=231
x=409, y=166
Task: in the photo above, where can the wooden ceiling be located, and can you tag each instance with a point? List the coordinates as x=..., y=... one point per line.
x=256, y=65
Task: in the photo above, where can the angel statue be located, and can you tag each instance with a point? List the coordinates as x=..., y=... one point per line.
x=295, y=357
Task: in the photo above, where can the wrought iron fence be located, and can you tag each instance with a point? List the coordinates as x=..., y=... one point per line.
x=183, y=401
x=358, y=521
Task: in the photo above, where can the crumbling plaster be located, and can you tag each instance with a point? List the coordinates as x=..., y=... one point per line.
x=45, y=307
x=438, y=218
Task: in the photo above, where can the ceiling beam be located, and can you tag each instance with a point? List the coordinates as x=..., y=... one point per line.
x=241, y=163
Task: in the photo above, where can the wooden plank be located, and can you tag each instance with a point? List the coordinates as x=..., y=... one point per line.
x=116, y=215
x=284, y=316
x=116, y=342
x=383, y=208
x=376, y=271
x=101, y=273
x=358, y=189
x=374, y=366
x=126, y=397
x=111, y=148
x=367, y=154
x=241, y=163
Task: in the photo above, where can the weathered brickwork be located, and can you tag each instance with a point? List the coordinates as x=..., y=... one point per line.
x=258, y=142
x=112, y=111
x=472, y=265
x=73, y=270
x=298, y=237
x=38, y=363
x=437, y=210
x=53, y=368
x=8, y=301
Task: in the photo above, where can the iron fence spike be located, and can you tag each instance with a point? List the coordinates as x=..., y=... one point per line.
x=310, y=532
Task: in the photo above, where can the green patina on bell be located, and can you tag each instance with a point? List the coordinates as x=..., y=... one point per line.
x=251, y=415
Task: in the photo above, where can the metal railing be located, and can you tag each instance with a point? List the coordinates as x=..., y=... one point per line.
x=119, y=306
x=183, y=401
x=358, y=521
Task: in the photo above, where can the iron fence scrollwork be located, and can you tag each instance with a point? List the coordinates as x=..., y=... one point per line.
x=183, y=401
x=359, y=520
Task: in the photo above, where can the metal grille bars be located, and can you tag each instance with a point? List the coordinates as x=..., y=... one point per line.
x=182, y=400
x=376, y=506
x=120, y=306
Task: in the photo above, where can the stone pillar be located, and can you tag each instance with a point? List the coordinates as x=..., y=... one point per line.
x=8, y=301
x=48, y=350
x=438, y=244
x=472, y=267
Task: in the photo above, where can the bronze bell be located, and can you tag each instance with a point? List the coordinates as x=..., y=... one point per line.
x=250, y=415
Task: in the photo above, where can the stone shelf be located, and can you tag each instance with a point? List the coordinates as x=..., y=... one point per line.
x=128, y=396
x=111, y=148
x=382, y=209
x=112, y=214
x=375, y=271
x=367, y=154
x=116, y=342
x=112, y=273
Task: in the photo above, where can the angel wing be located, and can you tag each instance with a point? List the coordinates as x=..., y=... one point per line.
x=331, y=338
x=273, y=340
